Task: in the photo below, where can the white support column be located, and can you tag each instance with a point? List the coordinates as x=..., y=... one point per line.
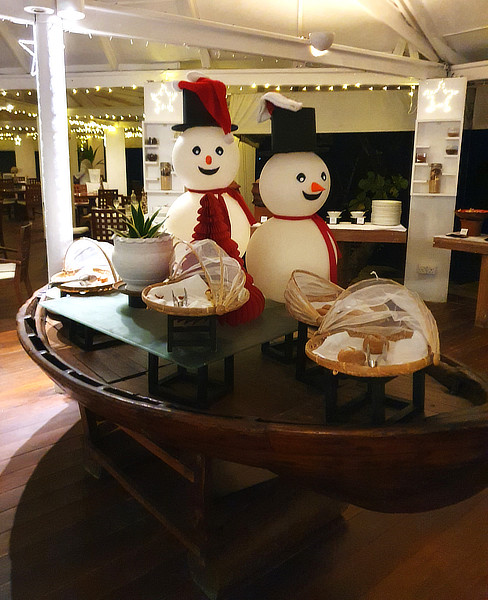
x=53, y=138
x=115, y=157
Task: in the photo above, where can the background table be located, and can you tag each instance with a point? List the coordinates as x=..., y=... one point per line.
x=475, y=245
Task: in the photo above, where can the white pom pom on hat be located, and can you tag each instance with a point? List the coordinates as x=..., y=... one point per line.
x=275, y=99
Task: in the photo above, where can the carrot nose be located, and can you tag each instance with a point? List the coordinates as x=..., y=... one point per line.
x=316, y=187
x=208, y=160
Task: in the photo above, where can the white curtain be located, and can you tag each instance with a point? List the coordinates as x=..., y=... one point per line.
x=245, y=176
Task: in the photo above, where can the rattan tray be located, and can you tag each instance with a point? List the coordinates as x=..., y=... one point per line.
x=363, y=370
x=182, y=311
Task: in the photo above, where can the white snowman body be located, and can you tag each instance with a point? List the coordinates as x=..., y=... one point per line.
x=293, y=185
x=205, y=160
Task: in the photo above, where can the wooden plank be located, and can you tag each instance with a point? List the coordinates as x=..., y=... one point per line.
x=477, y=245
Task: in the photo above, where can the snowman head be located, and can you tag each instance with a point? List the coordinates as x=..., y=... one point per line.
x=294, y=184
x=204, y=159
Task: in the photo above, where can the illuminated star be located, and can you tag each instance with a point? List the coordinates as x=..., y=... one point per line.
x=164, y=99
x=440, y=98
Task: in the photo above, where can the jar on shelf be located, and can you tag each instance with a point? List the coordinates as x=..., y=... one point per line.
x=421, y=156
x=451, y=149
x=166, y=183
x=435, y=178
x=453, y=132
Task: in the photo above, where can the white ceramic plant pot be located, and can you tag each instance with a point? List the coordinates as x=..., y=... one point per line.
x=142, y=261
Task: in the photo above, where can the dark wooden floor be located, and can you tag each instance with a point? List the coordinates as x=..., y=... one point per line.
x=65, y=535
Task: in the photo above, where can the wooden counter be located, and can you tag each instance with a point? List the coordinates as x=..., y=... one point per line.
x=473, y=245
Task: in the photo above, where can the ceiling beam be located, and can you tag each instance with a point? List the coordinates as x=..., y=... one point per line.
x=388, y=14
x=428, y=27
x=21, y=56
x=472, y=71
x=109, y=52
x=177, y=29
x=274, y=77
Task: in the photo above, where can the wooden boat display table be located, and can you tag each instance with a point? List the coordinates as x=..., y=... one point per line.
x=475, y=245
x=209, y=473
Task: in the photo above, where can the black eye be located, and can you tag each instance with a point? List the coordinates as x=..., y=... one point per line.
x=323, y=175
x=301, y=177
x=219, y=150
x=196, y=150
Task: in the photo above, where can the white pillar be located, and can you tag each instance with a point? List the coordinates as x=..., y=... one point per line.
x=53, y=138
x=25, y=157
x=115, y=156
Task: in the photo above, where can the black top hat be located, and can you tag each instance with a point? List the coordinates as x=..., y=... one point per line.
x=195, y=114
x=293, y=131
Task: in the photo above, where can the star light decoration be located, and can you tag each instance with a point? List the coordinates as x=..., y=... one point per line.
x=439, y=93
x=164, y=99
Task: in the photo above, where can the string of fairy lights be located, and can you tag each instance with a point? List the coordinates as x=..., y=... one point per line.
x=96, y=125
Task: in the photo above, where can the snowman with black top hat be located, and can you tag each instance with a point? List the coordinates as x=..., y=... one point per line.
x=206, y=158
x=294, y=184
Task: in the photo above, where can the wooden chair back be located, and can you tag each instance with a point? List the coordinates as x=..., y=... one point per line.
x=20, y=265
x=79, y=188
x=103, y=220
x=33, y=200
x=107, y=197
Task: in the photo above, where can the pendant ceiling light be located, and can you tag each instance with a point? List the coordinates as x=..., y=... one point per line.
x=39, y=7
x=73, y=10
x=320, y=42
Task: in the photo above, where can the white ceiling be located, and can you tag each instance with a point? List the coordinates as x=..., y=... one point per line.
x=400, y=37
x=128, y=42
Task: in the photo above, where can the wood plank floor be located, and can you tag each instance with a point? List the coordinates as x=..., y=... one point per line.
x=66, y=536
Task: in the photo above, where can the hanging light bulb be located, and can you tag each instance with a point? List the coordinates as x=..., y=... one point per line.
x=72, y=10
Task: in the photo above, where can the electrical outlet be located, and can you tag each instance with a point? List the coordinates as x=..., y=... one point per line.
x=426, y=269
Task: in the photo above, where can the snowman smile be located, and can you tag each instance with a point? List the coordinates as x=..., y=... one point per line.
x=208, y=171
x=311, y=196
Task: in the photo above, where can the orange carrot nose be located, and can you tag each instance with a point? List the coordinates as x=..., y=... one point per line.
x=208, y=160
x=316, y=187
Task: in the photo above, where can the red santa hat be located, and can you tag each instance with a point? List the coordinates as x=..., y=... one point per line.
x=204, y=104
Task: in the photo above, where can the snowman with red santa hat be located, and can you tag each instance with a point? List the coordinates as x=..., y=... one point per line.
x=294, y=184
x=206, y=158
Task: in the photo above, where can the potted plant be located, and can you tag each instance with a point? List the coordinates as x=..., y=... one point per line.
x=86, y=157
x=141, y=253
x=377, y=187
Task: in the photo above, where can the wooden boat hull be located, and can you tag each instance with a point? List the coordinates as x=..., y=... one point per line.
x=405, y=468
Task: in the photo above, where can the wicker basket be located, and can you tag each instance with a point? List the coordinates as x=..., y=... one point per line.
x=308, y=297
x=349, y=368
x=376, y=328
x=88, y=256
x=206, y=261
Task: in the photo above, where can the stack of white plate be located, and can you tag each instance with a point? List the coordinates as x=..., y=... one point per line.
x=386, y=212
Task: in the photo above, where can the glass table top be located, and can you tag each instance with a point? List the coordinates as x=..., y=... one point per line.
x=147, y=329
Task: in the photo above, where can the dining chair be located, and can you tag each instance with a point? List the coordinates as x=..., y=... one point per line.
x=103, y=221
x=31, y=203
x=106, y=197
x=79, y=188
x=16, y=270
x=8, y=197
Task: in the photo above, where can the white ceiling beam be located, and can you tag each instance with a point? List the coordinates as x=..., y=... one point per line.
x=109, y=52
x=472, y=71
x=176, y=29
x=19, y=53
x=386, y=13
x=428, y=27
x=274, y=77
x=295, y=77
